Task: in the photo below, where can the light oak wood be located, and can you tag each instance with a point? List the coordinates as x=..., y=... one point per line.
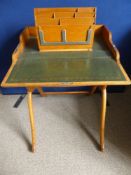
x=47, y=21
x=93, y=90
x=46, y=10
x=65, y=21
x=84, y=14
x=75, y=9
x=74, y=33
x=42, y=93
x=61, y=84
x=77, y=21
x=61, y=15
x=63, y=93
x=31, y=115
x=103, y=115
x=124, y=72
x=107, y=35
x=56, y=15
x=45, y=15
x=31, y=32
x=41, y=14
x=87, y=9
x=59, y=19
x=64, y=15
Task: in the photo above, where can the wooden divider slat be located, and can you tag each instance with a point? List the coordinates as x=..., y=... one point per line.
x=77, y=21
x=47, y=21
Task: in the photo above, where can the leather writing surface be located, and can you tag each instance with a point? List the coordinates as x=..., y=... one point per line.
x=79, y=66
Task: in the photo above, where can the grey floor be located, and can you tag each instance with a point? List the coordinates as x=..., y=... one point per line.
x=67, y=136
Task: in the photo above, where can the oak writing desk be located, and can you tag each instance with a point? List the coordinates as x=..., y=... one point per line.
x=69, y=59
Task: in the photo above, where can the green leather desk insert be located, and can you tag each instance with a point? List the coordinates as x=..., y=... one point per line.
x=79, y=66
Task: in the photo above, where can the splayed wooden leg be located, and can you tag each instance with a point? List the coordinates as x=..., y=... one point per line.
x=103, y=114
x=40, y=90
x=93, y=90
x=31, y=115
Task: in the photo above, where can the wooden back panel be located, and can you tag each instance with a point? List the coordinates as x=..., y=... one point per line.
x=60, y=13
x=75, y=37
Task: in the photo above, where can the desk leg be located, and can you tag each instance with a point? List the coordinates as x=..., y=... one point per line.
x=93, y=90
x=40, y=90
x=103, y=114
x=31, y=115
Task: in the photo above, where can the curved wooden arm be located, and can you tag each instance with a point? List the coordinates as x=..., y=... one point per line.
x=22, y=41
x=107, y=35
x=20, y=46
